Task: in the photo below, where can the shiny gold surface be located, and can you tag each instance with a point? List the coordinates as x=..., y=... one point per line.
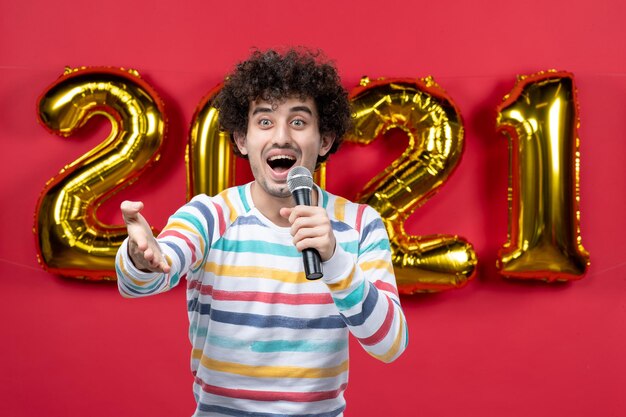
x=210, y=160
x=71, y=240
x=540, y=118
x=434, y=127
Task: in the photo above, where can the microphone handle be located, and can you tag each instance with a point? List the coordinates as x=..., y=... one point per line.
x=310, y=257
x=312, y=264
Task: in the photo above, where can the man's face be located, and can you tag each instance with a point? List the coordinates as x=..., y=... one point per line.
x=279, y=137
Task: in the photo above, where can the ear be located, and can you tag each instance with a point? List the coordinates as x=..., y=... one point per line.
x=240, y=140
x=327, y=143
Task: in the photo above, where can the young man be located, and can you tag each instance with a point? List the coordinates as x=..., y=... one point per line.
x=266, y=341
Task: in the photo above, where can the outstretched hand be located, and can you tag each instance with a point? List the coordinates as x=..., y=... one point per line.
x=143, y=248
x=311, y=228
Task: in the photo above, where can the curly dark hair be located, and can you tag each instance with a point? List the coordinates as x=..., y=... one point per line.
x=273, y=76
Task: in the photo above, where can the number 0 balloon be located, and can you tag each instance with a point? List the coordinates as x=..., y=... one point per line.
x=70, y=239
x=210, y=160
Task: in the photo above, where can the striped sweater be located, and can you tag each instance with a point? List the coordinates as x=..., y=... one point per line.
x=266, y=342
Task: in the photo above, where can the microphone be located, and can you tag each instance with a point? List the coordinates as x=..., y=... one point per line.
x=300, y=183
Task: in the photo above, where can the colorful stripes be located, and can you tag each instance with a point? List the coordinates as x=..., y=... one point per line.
x=260, y=371
x=343, y=284
x=266, y=321
x=263, y=297
x=267, y=346
x=300, y=397
x=366, y=310
x=340, y=208
x=257, y=247
x=255, y=272
x=383, y=330
x=174, y=229
x=377, y=264
x=229, y=204
x=207, y=408
x=266, y=341
x=395, y=347
x=242, y=191
x=374, y=225
x=352, y=299
x=132, y=287
x=359, y=217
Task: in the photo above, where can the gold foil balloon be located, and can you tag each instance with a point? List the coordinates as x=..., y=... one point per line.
x=209, y=157
x=434, y=127
x=70, y=238
x=540, y=118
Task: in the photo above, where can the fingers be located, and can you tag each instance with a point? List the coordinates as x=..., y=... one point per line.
x=311, y=228
x=297, y=212
x=303, y=217
x=138, y=228
x=143, y=249
x=285, y=212
x=156, y=260
x=130, y=210
x=139, y=239
x=148, y=259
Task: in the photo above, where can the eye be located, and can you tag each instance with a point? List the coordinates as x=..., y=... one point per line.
x=298, y=122
x=265, y=122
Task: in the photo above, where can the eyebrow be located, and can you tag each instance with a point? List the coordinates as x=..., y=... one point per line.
x=304, y=109
x=261, y=110
x=294, y=109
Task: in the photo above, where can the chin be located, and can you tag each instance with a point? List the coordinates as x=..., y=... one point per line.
x=281, y=192
x=275, y=190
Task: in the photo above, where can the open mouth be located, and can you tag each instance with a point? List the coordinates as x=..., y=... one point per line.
x=281, y=163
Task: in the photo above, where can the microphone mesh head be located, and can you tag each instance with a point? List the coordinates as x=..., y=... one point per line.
x=299, y=177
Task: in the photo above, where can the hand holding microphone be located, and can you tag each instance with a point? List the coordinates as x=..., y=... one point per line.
x=309, y=223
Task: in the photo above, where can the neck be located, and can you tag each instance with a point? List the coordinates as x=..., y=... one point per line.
x=270, y=205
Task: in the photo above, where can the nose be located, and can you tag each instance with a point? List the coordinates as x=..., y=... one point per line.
x=282, y=135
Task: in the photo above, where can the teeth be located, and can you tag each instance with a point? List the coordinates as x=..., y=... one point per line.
x=277, y=157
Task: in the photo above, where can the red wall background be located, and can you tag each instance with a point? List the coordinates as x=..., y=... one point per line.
x=493, y=348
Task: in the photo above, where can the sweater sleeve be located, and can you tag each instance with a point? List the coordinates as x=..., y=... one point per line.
x=185, y=243
x=366, y=294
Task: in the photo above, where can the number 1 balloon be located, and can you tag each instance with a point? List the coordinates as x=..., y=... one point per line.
x=540, y=117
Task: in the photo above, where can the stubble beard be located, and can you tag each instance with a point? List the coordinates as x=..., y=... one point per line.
x=278, y=190
x=275, y=190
